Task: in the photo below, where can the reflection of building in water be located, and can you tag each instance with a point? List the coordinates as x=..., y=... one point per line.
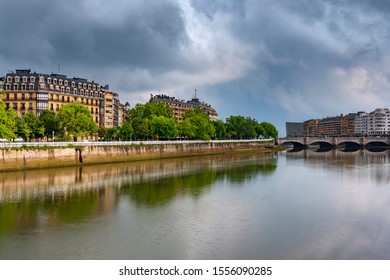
x=375, y=163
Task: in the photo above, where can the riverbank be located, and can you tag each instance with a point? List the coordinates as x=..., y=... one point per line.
x=26, y=157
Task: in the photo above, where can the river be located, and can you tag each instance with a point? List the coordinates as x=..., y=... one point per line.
x=302, y=205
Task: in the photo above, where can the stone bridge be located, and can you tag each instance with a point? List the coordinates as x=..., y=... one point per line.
x=333, y=142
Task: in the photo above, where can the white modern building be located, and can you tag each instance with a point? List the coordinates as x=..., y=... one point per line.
x=374, y=123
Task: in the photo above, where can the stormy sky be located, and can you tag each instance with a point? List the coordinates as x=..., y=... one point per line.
x=272, y=60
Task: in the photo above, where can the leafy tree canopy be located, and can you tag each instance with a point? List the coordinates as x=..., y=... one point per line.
x=77, y=120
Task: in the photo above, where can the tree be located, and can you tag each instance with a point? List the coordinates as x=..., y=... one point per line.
x=76, y=120
x=220, y=129
x=50, y=122
x=33, y=125
x=201, y=123
x=163, y=127
x=270, y=130
x=186, y=129
x=126, y=131
x=142, y=119
x=7, y=121
x=112, y=133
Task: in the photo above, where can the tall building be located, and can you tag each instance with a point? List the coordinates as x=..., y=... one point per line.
x=113, y=112
x=180, y=107
x=27, y=91
x=374, y=123
x=294, y=129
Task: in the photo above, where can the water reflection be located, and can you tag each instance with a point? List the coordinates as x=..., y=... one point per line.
x=302, y=205
x=36, y=199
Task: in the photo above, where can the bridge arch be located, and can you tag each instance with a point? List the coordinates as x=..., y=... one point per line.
x=322, y=145
x=294, y=145
x=349, y=146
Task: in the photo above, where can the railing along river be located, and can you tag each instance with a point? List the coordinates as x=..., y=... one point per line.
x=120, y=143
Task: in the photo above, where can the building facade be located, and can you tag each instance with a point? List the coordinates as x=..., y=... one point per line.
x=375, y=123
x=294, y=129
x=343, y=125
x=180, y=107
x=27, y=91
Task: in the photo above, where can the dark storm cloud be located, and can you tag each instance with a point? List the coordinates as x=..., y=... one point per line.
x=299, y=58
x=81, y=32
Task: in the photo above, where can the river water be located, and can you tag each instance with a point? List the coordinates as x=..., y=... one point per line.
x=301, y=205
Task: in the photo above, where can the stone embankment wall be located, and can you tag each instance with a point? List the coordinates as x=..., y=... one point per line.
x=18, y=159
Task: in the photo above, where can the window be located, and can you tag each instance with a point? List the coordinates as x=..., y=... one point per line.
x=55, y=81
x=66, y=83
x=17, y=79
x=16, y=87
x=49, y=80
x=73, y=84
x=75, y=91
x=60, y=82
x=30, y=105
x=41, y=79
x=67, y=90
x=31, y=87
x=41, y=106
x=42, y=96
x=24, y=79
x=32, y=79
x=9, y=79
x=23, y=87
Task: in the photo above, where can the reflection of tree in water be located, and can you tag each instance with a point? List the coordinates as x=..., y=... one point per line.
x=163, y=190
x=56, y=197
x=241, y=173
x=27, y=215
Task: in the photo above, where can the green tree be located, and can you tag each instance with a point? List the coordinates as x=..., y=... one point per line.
x=76, y=120
x=239, y=127
x=203, y=127
x=220, y=129
x=7, y=121
x=50, y=122
x=34, y=124
x=269, y=130
x=112, y=133
x=142, y=120
x=102, y=133
x=186, y=129
x=163, y=127
x=126, y=131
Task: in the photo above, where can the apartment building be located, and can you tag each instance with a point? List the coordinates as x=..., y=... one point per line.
x=374, y=123
x=180, y=107
x=27, y=91
x=343, y=125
